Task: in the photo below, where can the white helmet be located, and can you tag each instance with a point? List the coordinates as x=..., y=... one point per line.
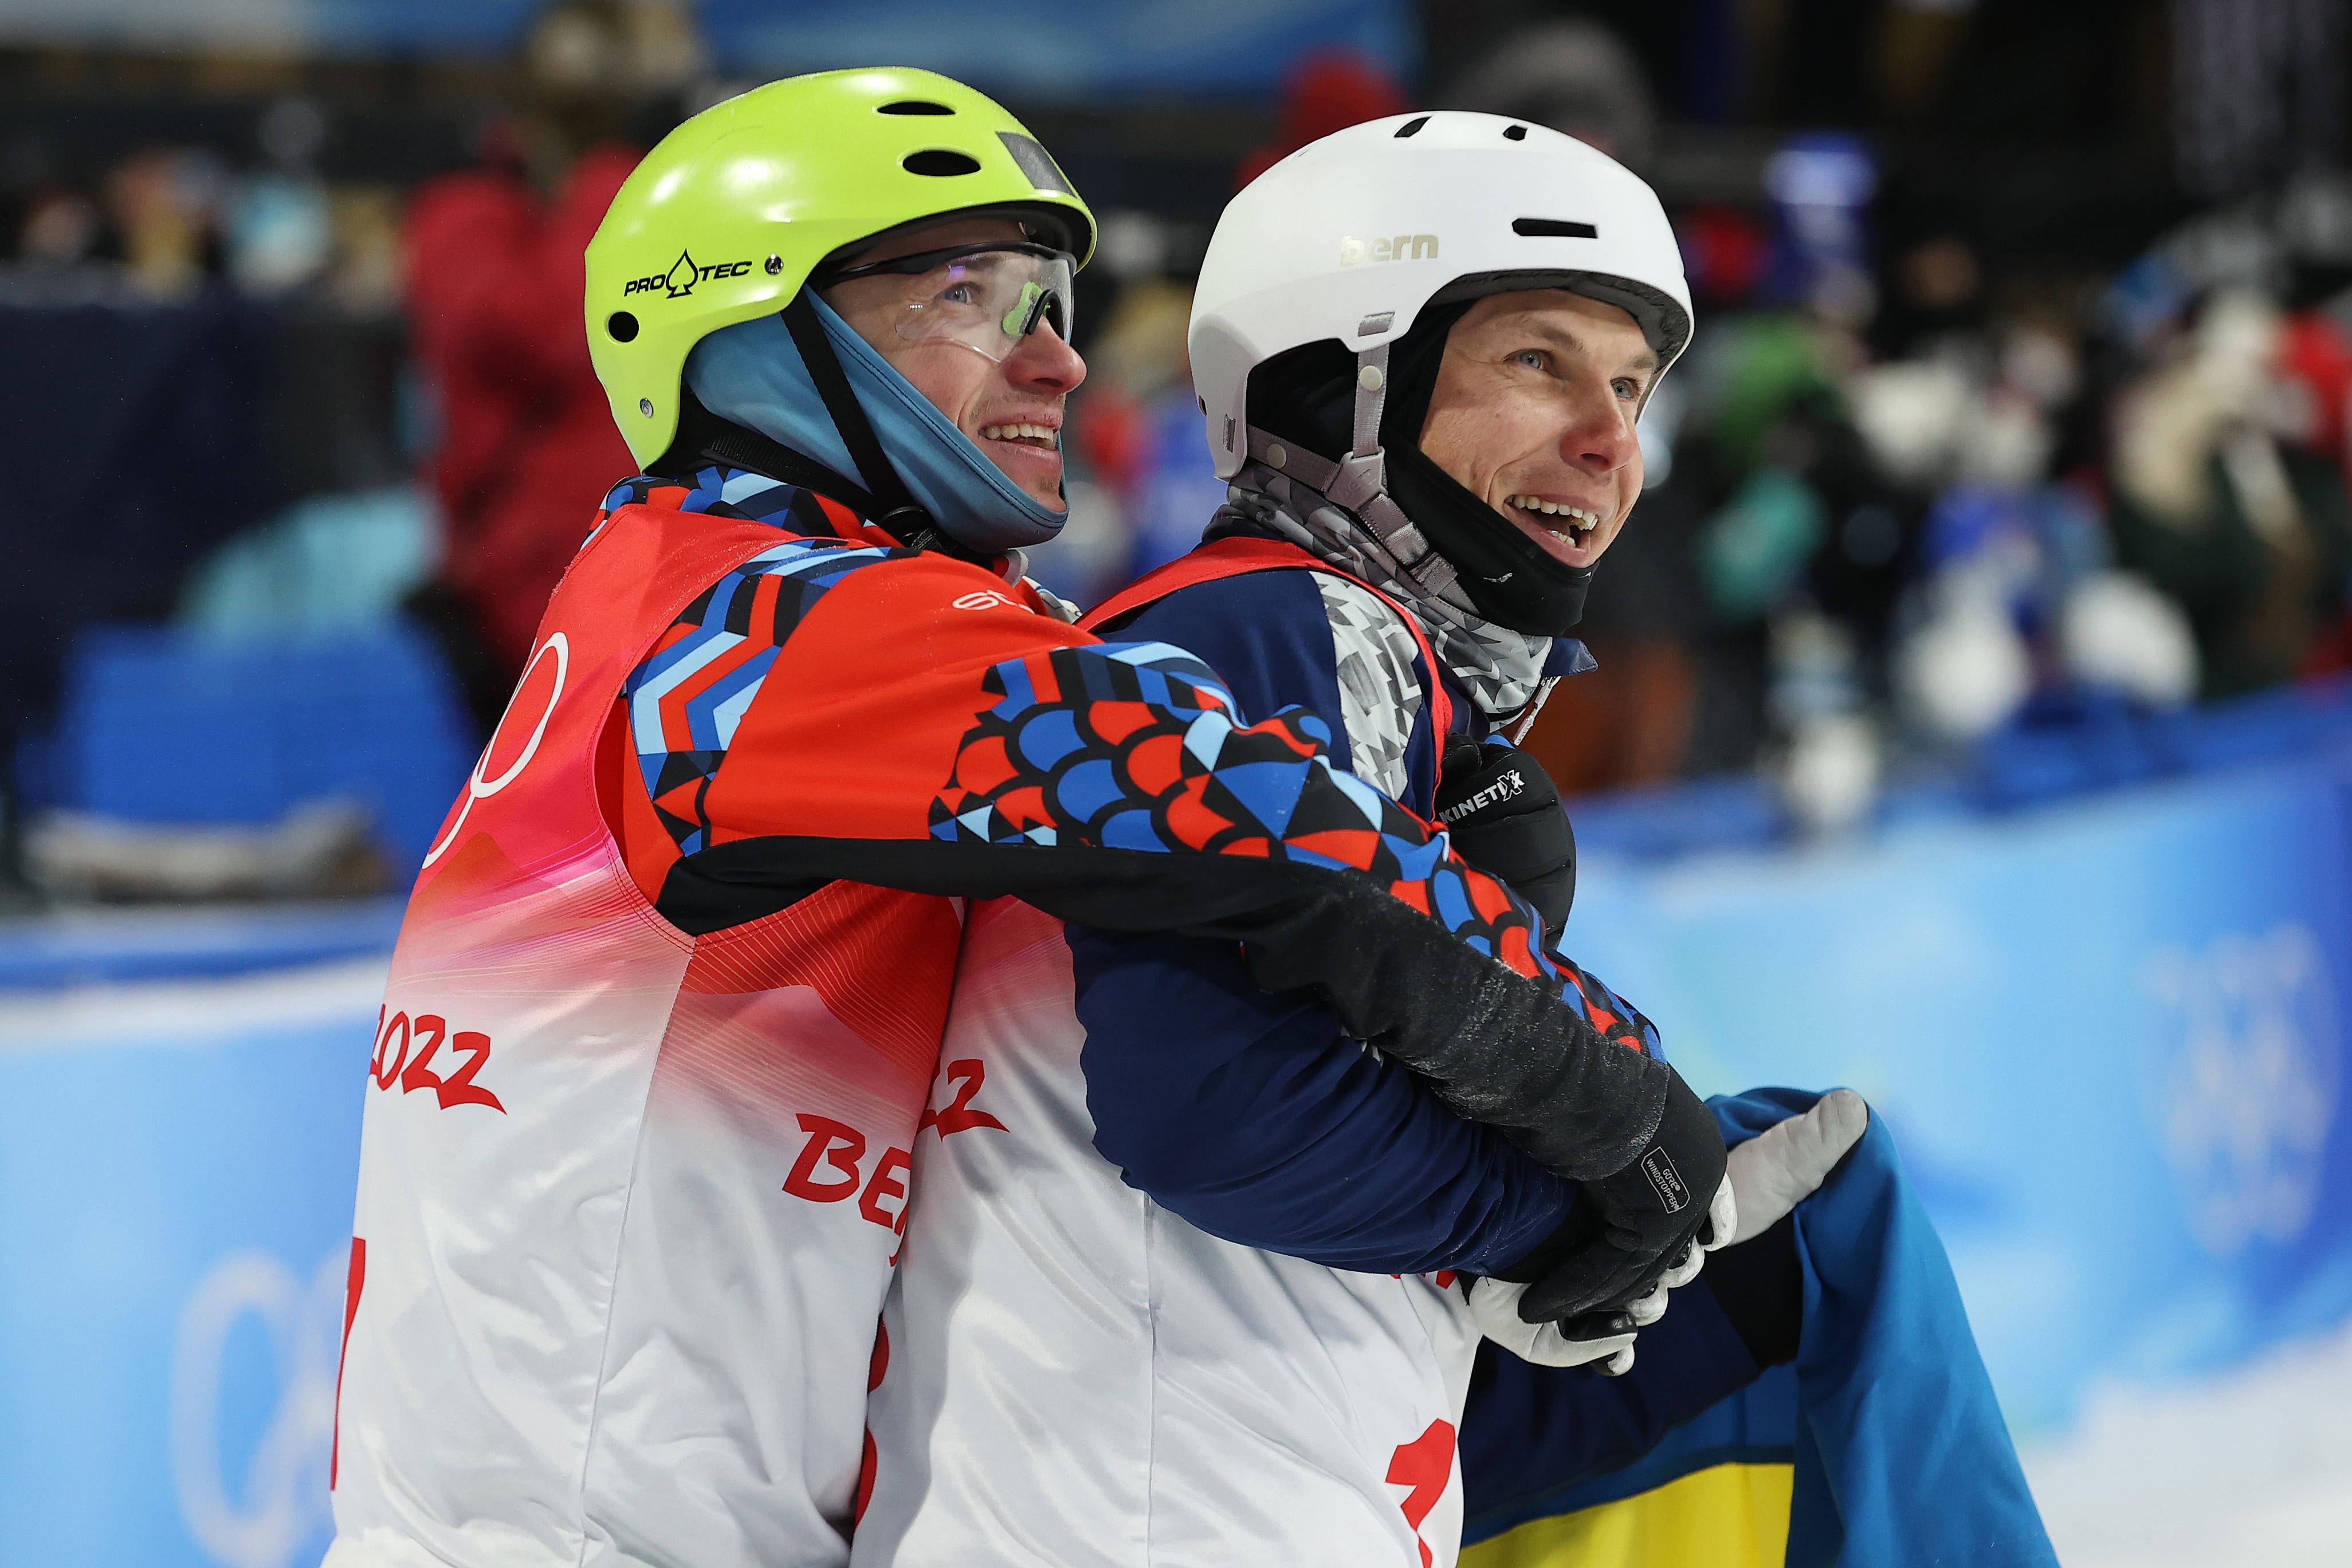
x=1353, y=238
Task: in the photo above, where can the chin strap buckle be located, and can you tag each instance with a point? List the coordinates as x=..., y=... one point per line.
x=1359, y=477
x=1363, y=472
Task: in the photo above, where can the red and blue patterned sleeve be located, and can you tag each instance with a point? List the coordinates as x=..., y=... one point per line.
x=1260, y=1121
x=910, y=725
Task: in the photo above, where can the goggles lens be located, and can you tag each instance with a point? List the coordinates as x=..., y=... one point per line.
x=987, y=299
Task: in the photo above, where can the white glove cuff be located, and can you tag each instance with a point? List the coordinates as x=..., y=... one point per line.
x=1494, y=1306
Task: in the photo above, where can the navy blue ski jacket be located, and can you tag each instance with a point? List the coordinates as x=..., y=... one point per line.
x=1260, y=1121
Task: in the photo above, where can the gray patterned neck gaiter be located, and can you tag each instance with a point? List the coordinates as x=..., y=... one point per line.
x=1501, y=669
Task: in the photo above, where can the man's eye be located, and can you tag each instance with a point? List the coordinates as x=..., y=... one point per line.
x=1627, y=388
x=1534, y=359
x=960, y=293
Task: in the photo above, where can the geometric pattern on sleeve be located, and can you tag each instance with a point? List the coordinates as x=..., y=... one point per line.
x=1611, y=1015
x=1136, y=745
x=690, y=693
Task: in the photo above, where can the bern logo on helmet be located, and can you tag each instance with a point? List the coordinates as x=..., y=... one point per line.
x=679, y=280
x=1403, y=247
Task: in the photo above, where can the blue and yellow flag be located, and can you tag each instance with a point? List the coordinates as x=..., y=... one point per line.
x=1881, y=1445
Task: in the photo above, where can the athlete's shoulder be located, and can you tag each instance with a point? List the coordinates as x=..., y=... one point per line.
x=819, y=689
x=1268, y=597
x=1311, y=636
x=768, y=551
x=1299, y=600
x=1261, y=631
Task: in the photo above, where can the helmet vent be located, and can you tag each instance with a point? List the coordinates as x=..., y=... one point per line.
x=1516, y=133
x=622, y=326
x=913, y=106
x=941, y=161
x=1410, y=126
x=1553, y=228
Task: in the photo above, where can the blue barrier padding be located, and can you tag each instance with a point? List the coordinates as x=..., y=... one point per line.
x=2084, y=746
x=1673, y=820
x=119, y=946
x=2108, y=1036
x=175, y=1213
x=165, y=725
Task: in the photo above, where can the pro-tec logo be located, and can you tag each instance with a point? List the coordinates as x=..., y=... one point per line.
x=1673, y=1191
x=1402, y=247
x=683, y=274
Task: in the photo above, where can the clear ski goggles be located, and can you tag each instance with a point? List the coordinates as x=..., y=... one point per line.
x=985, y=297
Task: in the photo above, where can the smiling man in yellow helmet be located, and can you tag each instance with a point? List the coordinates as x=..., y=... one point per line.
x=661, y=1047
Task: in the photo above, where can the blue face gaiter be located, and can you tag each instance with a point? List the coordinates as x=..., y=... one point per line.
x=752, y=374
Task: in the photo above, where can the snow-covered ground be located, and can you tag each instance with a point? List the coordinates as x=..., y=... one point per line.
x=2253, y=1467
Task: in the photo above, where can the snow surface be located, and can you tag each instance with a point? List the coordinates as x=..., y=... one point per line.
x=2252, y=1466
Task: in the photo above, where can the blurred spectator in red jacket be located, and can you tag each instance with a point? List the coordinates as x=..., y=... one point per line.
x=524, y=440
x=1327, y=90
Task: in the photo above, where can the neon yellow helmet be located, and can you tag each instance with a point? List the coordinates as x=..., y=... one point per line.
x=724, y=220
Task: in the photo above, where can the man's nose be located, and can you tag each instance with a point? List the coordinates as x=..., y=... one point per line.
x=1041, y=362
x=1600, y=438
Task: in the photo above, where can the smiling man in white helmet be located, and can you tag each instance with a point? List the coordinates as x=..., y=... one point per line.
x=1423, y=346
x=1428, y=425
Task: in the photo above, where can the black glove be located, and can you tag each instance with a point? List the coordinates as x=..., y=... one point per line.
x=1634, y=1224
x=1502, y=811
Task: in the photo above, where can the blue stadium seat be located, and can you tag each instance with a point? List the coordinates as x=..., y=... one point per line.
x=166, y=725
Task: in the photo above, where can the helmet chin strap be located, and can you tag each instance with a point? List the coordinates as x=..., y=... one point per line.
x=1359, y=482
x=1361, y=476
x=898, y=512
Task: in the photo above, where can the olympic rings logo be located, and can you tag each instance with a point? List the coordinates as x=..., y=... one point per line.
x=2243, y=1108
x=480, y=788
x=283, y=1502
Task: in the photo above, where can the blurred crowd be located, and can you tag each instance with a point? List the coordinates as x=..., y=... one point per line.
x=1904, y=497
x=1898, y=507
x=1901, y=502
x=164, y=222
